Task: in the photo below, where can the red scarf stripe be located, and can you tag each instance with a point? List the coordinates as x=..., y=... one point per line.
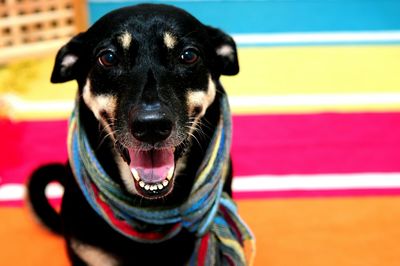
x=229, y=260
x=203, y=250
x=125, y=227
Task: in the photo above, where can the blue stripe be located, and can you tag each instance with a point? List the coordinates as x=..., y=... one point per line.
x=281, y=16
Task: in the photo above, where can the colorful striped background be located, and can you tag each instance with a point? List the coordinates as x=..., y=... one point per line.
x=316, y=131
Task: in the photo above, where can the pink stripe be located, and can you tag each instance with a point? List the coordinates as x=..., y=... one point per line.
x=11, y=203
x=263, y=144
x=315, y=193
x=318, y=143
x=56, y=203
x=27, y=145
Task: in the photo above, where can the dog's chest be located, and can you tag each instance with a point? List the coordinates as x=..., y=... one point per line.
x=93, y=256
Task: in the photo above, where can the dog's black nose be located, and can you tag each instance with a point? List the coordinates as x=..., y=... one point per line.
x=151, y=127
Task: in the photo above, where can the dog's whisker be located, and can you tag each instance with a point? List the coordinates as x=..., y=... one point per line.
x=108, y=135
x=105, y=127
x=195, y=127
x=205, y=123
x=193, y=136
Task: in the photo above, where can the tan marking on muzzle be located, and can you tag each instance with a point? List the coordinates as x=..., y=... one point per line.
x=93, y=256
x=125, y=39
x=201, y=100
x=126, y=175
x=169, y=40
x=99, y=104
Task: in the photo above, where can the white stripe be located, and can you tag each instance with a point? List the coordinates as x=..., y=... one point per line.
x=18, y=191
x=294, y=100
x=16, y=104
x=318, y=37
x=262, y=183
x=317, y=182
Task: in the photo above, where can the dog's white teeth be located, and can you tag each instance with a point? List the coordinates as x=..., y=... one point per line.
x=135, y=174
x=153, y=186
x=170, y=173
x=165, y=183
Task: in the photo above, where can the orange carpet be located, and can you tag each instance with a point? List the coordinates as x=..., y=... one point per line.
x=307, y=232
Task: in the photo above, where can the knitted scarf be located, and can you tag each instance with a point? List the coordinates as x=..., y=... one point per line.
x=210, y=213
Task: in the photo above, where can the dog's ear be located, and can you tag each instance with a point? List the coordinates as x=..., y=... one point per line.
x=225, y=49
x=69, y=60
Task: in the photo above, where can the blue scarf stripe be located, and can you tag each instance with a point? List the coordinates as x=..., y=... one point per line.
x=211, y=215
x=78, y=172
x=232, y=208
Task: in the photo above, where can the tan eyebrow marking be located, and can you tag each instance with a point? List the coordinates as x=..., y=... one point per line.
x=125, y=39
x=169, y=40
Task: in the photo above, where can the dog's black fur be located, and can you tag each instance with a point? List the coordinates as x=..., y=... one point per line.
x=148, y=59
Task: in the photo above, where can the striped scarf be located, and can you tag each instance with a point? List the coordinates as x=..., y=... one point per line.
x=210, y=213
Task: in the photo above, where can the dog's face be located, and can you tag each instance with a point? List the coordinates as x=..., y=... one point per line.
x=148, y=73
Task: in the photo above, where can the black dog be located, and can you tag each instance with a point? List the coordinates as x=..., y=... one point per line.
x=150, y=113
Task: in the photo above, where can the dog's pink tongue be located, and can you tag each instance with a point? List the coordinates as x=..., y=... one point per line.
x=152, y=166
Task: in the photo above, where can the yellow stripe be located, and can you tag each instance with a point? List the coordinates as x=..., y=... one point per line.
x=300, y=70
x=233, y=244
x=266, y=71
x=30, y=79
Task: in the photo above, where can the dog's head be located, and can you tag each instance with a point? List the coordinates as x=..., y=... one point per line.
x=148, y=73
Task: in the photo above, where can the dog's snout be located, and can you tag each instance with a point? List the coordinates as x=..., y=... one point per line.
x=151, y=127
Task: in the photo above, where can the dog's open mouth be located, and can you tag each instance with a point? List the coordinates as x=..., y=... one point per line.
x=152, y=170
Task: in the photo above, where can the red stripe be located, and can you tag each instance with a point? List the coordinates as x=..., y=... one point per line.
x=232, y=224
x=317, y=143
x=201, y=261
x=229, y=259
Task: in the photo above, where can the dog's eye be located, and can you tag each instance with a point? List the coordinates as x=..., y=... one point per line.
x=189, y=56
x=108, y=59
